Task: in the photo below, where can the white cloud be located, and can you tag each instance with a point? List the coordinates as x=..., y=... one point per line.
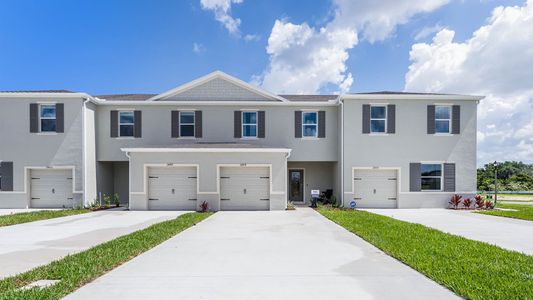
x=304, y=59
x=198, y=48
x=497, y=61
x=252, y=37
x=427, y=31
x=222, y=9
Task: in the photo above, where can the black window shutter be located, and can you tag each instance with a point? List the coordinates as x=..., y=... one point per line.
x=198, y=124
x=415, y=182
x=456, y=119
x=261, y=124
x=298, y=124
x=322, y=124
x=34, y=117
x=449, y=177
x=366, y=118
x=391, y=118
x=114, y=123
x=175, y=124
x=60, y=117
x=237, y=124
x=137, y=131
x=6, y=171
x=431, y=119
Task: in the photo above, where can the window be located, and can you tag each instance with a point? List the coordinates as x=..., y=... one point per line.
x=187, y=123
x=48, y=118
x=378, y=119
x=310, y=124
x=249, y=124
x=443, y=119
x=431, y=177
x=126, y=123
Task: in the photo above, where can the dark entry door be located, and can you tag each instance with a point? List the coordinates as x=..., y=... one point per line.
x=296, y=185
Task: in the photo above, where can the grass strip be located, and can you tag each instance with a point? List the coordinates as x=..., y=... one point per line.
x=524, y=212
x=471, y=269
x=19, y=218
x=78, y=269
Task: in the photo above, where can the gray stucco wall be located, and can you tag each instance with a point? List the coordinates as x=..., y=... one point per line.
x=218, y=127
x=27, y=149
x=207, y=177
x=411, y=143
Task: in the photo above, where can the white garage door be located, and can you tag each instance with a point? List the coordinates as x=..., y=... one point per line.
x=244, y=188
x=51, y=188
x=172, y=188
x=375, y=188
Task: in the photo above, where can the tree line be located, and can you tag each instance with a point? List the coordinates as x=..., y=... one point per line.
x=512, y=176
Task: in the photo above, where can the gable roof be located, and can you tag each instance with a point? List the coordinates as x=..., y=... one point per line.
x=213, y=76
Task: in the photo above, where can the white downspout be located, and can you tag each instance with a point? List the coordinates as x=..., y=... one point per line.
x=84, y=152
x=129, y=178
x=342, y=151
x=287, y=179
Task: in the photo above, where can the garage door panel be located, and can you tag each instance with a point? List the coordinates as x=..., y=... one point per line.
x=172, y=188
x=51, y=188
x=245, y=188
x=375, y=188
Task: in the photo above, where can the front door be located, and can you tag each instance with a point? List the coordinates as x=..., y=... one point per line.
x=296, y=185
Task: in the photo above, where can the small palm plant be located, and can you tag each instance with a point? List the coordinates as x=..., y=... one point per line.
x=467, y=202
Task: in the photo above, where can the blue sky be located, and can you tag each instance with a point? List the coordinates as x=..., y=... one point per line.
x=103, y=47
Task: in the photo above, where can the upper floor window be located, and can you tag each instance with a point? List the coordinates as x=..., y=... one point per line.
x=249, y=124
x=431, y=177
x=48, y=117
x=310, y=124
x=378, y=119
x=187, y=123
x=126, y=123
x=443, y=116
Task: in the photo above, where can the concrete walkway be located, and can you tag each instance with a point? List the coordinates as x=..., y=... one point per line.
x=26, y=246
x=512, y=234
x=264, y=255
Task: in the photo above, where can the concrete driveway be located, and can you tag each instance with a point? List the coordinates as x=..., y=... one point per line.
x=512, y=234
x=26, y=246
x=264, y=255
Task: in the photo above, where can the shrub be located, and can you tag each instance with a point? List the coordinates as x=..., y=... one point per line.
x=290, y=206
x=467, y=202
x=455, y=201
x=479, y=201
x=107, y=200
x=489, y=205
x=204, y=207
x=116, y=200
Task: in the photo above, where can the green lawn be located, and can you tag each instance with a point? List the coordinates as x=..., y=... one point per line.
x=78, y=269
x=471, y=269
x=20, y=218
x=521, y=211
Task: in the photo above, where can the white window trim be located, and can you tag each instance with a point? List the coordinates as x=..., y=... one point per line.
x=449, y=120
x=441, y=176
x=378, y=119
x=256, y=124
x=193, y=124
x=41, y=105
x=120, y=123
x=316, y=124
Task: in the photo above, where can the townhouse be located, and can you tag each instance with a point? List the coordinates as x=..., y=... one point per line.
x=223, y=141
